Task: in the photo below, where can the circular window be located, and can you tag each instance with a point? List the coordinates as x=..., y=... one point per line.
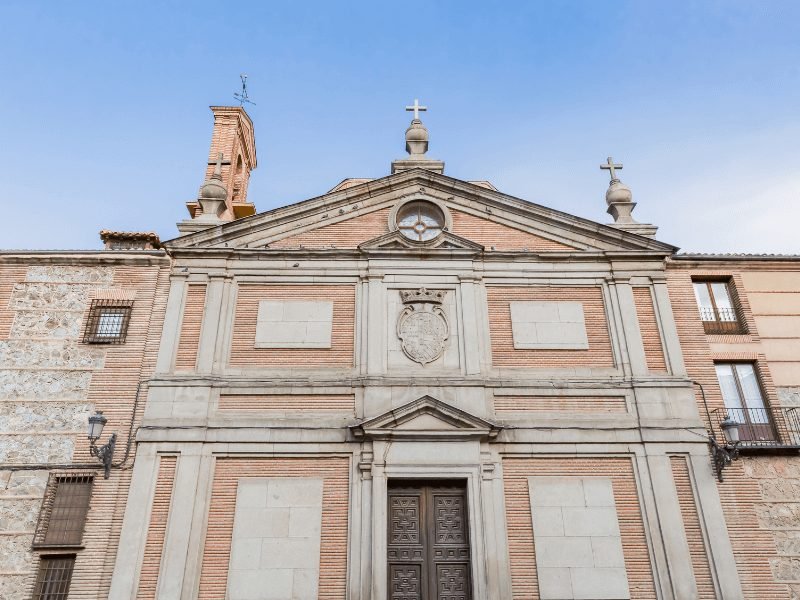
x=420, y=221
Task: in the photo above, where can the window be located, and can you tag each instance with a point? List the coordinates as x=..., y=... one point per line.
x=107, y=322
x=717, y=306
x=63, y=513
x=744, y=401
x=54, y=577
x=420, y=221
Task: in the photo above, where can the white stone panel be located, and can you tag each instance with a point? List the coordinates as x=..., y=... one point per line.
x=548, y=325
x=577, y=539
x=294, y=324
x=276, y=539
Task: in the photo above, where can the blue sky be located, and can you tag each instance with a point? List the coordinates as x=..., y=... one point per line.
x=105, y=120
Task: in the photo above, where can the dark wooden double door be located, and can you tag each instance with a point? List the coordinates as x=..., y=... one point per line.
x=428, y=542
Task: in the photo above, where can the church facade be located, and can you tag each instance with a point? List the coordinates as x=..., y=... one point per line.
x=418, y=387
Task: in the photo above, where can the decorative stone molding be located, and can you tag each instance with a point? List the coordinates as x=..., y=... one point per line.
x=426, y=418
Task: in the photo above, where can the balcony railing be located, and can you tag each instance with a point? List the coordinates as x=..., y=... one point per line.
x=773, y=427
x=720, y=321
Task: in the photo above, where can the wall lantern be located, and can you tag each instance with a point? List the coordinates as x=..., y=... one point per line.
x=104, y=453
x=725, y=455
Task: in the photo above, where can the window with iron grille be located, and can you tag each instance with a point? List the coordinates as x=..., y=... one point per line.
x=54, y=577
x=63, y=513
x=719, y=307
x=108, y=321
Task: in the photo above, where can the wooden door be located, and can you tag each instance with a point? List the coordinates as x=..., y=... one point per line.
x=428, y=542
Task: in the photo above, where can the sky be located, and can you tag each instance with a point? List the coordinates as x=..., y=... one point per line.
x=105, y=121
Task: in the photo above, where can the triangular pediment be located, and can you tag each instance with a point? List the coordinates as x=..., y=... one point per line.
x=359, y=218
x=394, y=240
x=426, y=418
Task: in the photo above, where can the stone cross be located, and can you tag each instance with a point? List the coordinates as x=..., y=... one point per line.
x=416, y=108
x=610, y=166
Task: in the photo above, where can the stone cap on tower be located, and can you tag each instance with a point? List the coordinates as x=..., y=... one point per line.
x=233, y=136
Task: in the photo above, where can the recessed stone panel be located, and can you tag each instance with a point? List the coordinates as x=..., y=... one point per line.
x=577, y=539
x=275, y=547
x=548, y=325
x=294, y=324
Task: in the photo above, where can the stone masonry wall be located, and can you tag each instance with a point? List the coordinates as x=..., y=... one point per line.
x=50, y=382
x=45, y=375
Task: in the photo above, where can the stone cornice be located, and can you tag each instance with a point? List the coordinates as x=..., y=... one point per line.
x=81, y=257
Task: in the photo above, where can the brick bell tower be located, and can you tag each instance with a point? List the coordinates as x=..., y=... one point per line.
x=231, y=157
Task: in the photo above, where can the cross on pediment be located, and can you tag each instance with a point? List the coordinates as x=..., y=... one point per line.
x=416, y=108
x=611, y=167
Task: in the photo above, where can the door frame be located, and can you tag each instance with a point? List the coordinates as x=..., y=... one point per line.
x=471, y=475
x=426, y=487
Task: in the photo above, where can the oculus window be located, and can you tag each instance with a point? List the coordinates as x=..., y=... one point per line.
x=420, y=221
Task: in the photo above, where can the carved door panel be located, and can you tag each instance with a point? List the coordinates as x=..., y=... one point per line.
x=428, y=542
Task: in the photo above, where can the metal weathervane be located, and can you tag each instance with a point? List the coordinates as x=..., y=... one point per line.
x=242, y=96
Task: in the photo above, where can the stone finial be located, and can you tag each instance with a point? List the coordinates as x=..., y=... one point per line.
x=212, y=195
x=417, y=146
x=619, y=199
x=416, y=139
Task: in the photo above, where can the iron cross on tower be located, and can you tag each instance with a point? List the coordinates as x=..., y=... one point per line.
x=416, y=108
x=242, y=96
x=610, y=166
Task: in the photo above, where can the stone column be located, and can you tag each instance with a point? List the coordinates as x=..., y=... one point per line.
x=650, y=518
x=211, y=323
x=125, y=580
x=172, y=323
x=673, y=533
x=722, y=560
x=498, y=568
x=633, y=345
x=364, y=552
x=669, y=331
x=469, y=317
x=376, y=326
x=379, y=487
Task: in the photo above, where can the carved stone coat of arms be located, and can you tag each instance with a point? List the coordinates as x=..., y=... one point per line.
x=422, y=325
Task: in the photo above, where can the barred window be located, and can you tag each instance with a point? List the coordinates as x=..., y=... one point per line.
x=54, y=577
x=63, y=514
x=108, y=321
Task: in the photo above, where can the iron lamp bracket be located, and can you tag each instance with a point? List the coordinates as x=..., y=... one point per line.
x=104, y=453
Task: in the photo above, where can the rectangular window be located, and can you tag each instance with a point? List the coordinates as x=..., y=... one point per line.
x=54, y=577
x=64, y=509
x=108, y=322
x=716, y=302
x=744, y=401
